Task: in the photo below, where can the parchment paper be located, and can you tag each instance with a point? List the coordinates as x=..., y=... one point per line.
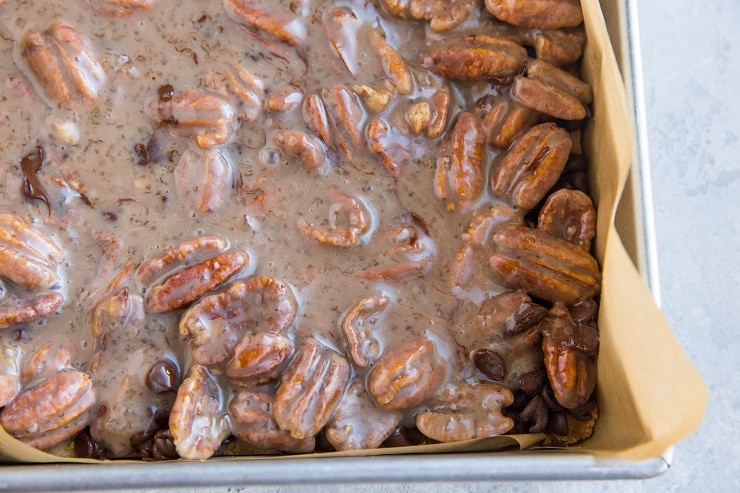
x=649, y=394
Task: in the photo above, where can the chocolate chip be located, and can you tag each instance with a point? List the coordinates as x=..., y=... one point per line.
x=162, y=377
x=535, y=413
x=87, y=448
x=404, y=437
x=163, y=446
x=584, y=339
x=549, y=397
x=490, y=363
x=531, y=383
x=558, y=423
x=527, y=315
x=584, y=412
x=584, y=311
x=165, y=93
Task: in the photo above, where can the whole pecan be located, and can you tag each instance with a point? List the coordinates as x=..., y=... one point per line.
x=203, y=182
x=198, y=421
x=544, y=265
x=360, y=327
x=217, y=322
x=570, y=357
x=407, y=375
x=208, y=119
x=258, y=358
x=64, y=64
x=570, y=215
x=254, y=422
x=473, y=59
x=51, y=411
x=459, y=175
x=358, y=423
x=532, y=165
x=552, y=91
x=269, y=19
x=542, y=14
x=467, y=412
x=310, y=389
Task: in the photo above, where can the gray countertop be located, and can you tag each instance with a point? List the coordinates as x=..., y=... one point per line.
x=691, y=59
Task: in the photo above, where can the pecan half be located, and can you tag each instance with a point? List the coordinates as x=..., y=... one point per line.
x=50, y=411
x=215, y=324
x=532, y=165
x=345, y=115
x=299, y=145
x=344, y=233
x=15, y=310
x=203, y=182
x=503, y=119
x=250, y=91
x=208, y=119
x=473, y=251
x=552, y=91
x=121, y=312
x=570, y=360
x=342, y=26
x=198, y=421
x=28, y=256
x=442, y=15
x=267, y=19
x=403, y=253
x=358, y=423
x=360, y=326
x=570, y=215
x=559, y=47
x=285, y=98
x=459, y=176
x=192, y=250
x=315, y=116
x=440, y=102
x=542, y=14
x=64, y=64
x=376, y=98
x=310, y=389
x=394, y=67
x=122, y=8
x=407, y=375
x=187, y=285
x=496, y=57
x=467, y=412
x=258, y=358
x=47, y=361
x=388, y=144
x=544, y=266
x=253, y=422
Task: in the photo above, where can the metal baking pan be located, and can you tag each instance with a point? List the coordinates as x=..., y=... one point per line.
x=636, y=206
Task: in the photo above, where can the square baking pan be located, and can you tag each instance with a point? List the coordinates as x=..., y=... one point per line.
x=634, y=222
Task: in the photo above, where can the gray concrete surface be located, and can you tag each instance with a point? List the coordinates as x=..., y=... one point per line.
x=691, y=55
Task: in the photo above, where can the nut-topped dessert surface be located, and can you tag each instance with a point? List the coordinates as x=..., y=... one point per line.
x=293, y=226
